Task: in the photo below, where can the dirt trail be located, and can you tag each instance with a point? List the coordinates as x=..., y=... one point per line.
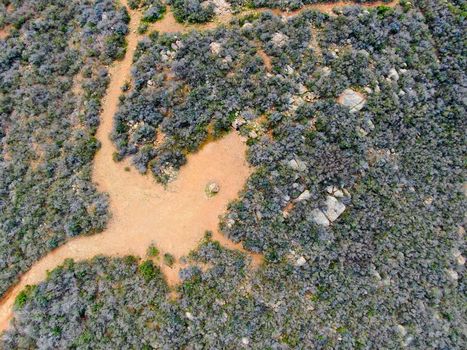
x=143, y=212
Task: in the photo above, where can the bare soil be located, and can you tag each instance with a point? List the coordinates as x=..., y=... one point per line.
x=4, y=32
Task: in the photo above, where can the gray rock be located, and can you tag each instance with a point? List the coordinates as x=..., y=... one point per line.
x=334, y=208
x=319, y=217
x=297, y=165
x=393, y=75
x=303, y=197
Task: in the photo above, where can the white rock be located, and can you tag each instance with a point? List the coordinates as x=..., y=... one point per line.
x=338, y=194
x=300, y=261
x=393, y=75
x=245, y=341
x=401, y=330
x=352, y=99
x=297, y=165
x=215, y=48
x=230, y=222
x=334, y=208
x=212, y=188
x=247, y=25
x=361, y=132
x=428, y=200
x=303, y=197
x=319, y=217
x=453, y=275
x=460, y=260
x=325, y=71
x=189, y=315
x=289, y=70
x=368, y=90
x=279, y=39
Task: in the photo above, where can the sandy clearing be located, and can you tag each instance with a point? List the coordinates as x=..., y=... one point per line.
x=143, y=212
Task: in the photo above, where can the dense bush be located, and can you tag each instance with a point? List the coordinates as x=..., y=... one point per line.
x=192, y=11
x=153, y=10
x=52, y=77
x=388, y=273
x=391, y=257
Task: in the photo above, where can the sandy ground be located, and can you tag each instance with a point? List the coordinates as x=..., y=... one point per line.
x=266, y=59
x=144, y=212
x=4, y=32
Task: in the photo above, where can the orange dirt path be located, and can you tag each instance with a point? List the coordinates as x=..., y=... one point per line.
x=144, y=212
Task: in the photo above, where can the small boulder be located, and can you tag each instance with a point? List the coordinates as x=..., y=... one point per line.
x=334, y=208
x=401, y=330
x=453, y=275
x=279, y=39
x=212, y=188
x=460, y=260
x=303, y=197
x=352, y=99
x=297, y=165
x=393, y=75
x=215, y=48
x=300, y=261
x=319, y=217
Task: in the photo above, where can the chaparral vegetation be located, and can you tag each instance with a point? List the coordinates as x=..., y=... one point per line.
x=356, y=130
x=52, y=77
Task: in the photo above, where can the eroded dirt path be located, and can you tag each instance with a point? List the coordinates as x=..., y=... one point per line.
x=143, y=212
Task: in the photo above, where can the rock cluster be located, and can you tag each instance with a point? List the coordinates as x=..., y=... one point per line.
x=333, y=206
